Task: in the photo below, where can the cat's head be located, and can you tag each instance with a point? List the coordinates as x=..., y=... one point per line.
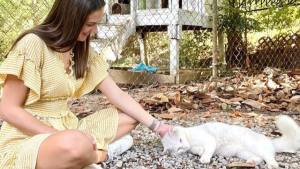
x=175, y=141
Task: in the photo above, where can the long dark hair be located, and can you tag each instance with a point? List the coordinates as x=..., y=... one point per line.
x=62, y=26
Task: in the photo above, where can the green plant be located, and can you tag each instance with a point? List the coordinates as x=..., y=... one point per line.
x=17, y=16
x=195, y=49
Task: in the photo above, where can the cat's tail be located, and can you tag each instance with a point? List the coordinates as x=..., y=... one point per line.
x=290, y=139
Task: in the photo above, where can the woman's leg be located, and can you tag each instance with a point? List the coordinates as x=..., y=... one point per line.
x=66, y=149
x=125, y=125
x=122, y=142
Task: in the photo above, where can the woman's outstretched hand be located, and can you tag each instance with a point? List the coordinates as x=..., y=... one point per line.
x=164, y=129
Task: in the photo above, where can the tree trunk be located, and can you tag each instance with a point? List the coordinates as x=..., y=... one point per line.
x=235, y=52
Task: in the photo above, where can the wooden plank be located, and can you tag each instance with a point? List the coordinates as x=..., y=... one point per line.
x=129, y=77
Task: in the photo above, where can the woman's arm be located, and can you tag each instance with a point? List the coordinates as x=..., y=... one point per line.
x=127, y=104
x=124, y=102
x=11, y=108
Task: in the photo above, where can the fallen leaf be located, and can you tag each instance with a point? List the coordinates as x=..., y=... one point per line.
x=160, y=167
x=256, y=91
x=200, y=86
x=192, y=89
x=276, y=133
x=254, y=104
x=175, y=110
x=213, y=108
x=221, y=120
x=223, y=105
x=187, y=100
x=105, y=102
x=195, y=106
x=261, y=123
x=295, y=98
x=177, y=97
x=185, y=105
x=168, y=105
x=232, y=115
x=260, y=99
x=169, y=116
x=298, y=108
x=236, y=99
x=151, y=101
x=274, y=110
x=237, y=113
x=160, y=97
x=244, y=95
x=271, y=84
x=247, y=62
x=267, y=91
x=280, y=95
x=211, y=88
x=78, y=109
x=206, y=114
x=249, y=115
x=240, y=91
x=261, y=76
x=207, y=100
x=229, y=102
x=240, y=164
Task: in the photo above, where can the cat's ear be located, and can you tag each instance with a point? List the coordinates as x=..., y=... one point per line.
x=165, y=152
x=171, y=131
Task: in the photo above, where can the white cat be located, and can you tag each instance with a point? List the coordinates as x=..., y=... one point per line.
x=213, y=138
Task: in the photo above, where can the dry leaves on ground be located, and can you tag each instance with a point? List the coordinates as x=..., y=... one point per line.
x=270, y=91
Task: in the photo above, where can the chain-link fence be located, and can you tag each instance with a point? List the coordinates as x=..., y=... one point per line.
x=171, y=41
x=18, y=16
x=261, y=34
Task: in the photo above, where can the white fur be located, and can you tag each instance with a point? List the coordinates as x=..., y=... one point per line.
x=213, y=138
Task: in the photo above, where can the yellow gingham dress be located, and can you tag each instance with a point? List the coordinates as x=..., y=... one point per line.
x=42, y=71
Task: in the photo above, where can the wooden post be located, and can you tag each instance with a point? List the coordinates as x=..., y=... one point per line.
x=245, y=46
x=174, y=32
x=215, y=41
x=221, y=48
x=109, y=4
x=173, y=4
x=133, y=7
x=143, y=49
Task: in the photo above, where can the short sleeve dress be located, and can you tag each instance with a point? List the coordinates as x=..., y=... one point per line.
x=42, y=71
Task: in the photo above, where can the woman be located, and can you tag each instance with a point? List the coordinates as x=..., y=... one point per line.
x=48, y=64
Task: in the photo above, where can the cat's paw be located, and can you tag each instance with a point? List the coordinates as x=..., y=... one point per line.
x=254, y=160
x=204, y=159
x=200, y=150
x=273, y=166
x=251, y=161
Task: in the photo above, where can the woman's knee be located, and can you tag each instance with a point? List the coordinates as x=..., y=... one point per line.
x=75, y=144
x=66, y=149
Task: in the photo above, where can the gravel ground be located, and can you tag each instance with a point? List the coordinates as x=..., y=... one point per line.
x=147, y=149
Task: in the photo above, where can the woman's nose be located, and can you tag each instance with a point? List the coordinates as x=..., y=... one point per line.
x=95, y=29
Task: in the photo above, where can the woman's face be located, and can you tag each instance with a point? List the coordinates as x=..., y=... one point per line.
x=90, y=25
